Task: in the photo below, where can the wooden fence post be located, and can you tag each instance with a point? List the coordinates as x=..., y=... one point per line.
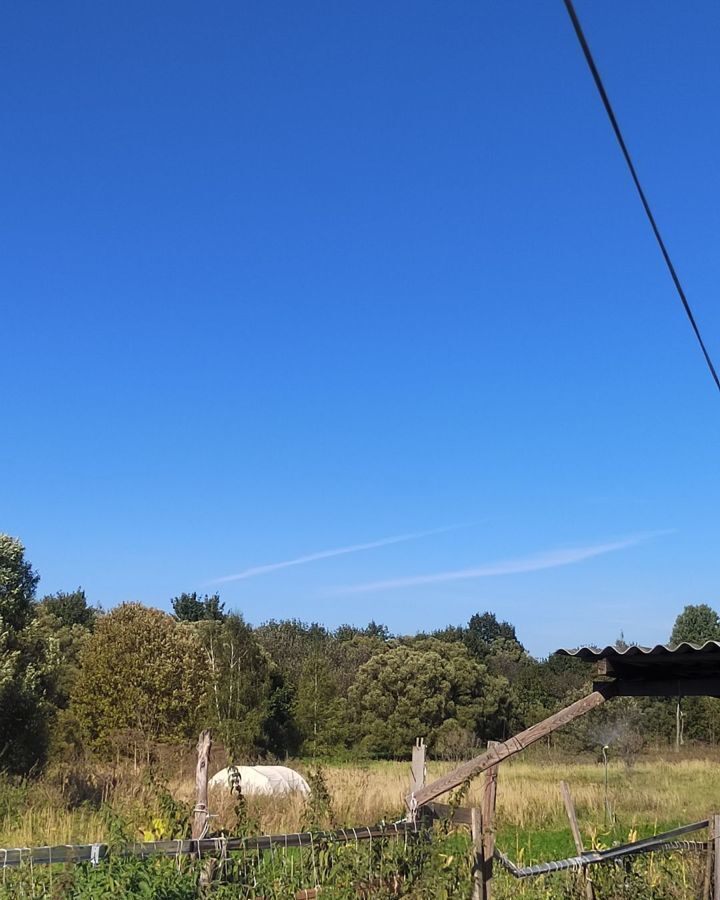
x=707, y=881
x=577, y=837
x=488, y=823
x=716, y=856
x=417, y=778
x=478, y=873
x=200, y=813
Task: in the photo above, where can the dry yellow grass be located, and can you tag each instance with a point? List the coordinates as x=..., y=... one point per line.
x=652, y=792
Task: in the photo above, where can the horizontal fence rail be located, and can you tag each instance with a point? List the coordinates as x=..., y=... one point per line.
x=658, y=843
x=94, y=853
x=458, y=815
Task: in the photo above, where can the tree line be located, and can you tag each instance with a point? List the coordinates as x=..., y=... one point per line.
x=75, y=680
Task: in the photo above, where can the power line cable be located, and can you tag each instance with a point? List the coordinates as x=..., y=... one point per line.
x=646, y=206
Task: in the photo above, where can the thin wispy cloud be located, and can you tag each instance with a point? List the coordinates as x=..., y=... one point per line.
x=549, y=559
x=327, y=554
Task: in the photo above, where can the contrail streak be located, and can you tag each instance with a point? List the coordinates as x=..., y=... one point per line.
x=549, y=559
x=327, y=554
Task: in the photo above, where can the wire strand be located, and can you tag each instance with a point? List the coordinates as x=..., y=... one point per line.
x=646, y=206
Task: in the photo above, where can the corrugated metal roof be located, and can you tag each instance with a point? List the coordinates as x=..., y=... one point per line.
x=708, y=649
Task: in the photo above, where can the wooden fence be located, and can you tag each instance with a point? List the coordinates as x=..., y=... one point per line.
x=480, y=820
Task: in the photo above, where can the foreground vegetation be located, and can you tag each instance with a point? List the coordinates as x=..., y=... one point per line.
x=117, y=803
x=425, y=870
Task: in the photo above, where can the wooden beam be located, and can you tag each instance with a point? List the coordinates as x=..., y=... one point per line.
x=458, y=815
x=504, y=749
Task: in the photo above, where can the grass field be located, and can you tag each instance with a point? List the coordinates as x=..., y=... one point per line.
x=85, y=804
x=654, y=794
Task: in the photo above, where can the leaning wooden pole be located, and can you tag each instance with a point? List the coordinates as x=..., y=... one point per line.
x=504, y=749
x=577, y=836
x=200, y=813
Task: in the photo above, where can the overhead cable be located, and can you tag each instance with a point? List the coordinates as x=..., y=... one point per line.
x=646, y=206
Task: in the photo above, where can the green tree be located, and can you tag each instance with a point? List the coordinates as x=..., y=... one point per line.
x=290, y=642
x=417, y=690
x=141, y=672
x=247, y=705
x=374, y=630
x=18, y=583
x=483, y=630
x=26, y=664
x=193, y=608
x=696, y=624
x=450, y=634
x=63, y=622
x=318, y=668
x=70, y=608
x=318, y=708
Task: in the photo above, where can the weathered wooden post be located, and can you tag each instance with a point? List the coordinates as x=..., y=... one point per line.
x=488, y=823
x=478, y=873
x=716, y=856
x=200, y=813
x=417, y=777
x=577, y=837
x=707, y=882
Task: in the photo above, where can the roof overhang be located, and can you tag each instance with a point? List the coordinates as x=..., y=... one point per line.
x=660, y=671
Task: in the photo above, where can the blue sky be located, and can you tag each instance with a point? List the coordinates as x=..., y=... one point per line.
x=283, y=279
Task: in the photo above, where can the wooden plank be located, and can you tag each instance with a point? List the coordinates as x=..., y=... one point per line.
x=505, y=749
x=577, y=837
x=457, y=814
x=488, y=822
x=200, y=813
x=478, y=875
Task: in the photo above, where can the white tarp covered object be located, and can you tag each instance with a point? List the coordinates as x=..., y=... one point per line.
x=268, y=780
